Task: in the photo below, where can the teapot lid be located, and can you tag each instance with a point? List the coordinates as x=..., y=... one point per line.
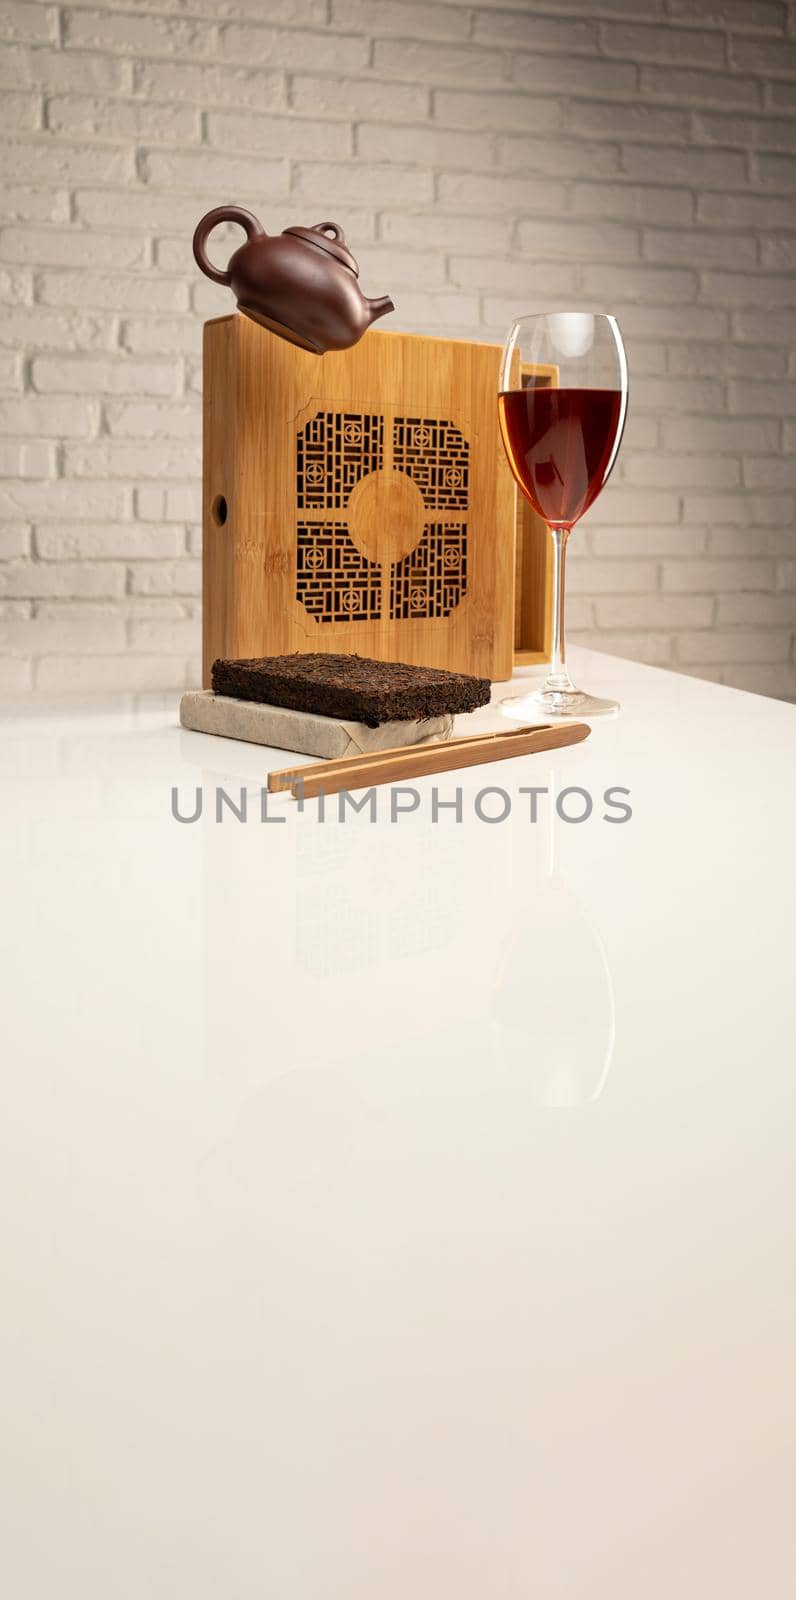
x=327, y=236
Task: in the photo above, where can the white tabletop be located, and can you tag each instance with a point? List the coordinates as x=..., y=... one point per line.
x=400, y=1209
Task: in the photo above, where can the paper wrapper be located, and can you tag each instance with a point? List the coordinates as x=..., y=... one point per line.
x=301, y=732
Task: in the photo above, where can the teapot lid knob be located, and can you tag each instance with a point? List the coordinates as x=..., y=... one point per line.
x=328, y=236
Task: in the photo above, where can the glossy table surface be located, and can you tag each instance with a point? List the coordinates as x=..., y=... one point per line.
x=401, y=1208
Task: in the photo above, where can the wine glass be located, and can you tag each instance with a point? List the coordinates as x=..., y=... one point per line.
x=562, y=406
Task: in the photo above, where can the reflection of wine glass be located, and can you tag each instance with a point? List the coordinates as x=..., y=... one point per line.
x=562, y=406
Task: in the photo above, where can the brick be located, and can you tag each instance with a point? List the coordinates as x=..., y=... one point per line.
x=19, y=203
x=769, y=472
x=543, y=74
x=399, y=268
x=632, y=203
x=158, y=335
x=20, y=113
x=113, y=673
x=437, y=64
x=117, y=31
x=58, y=72
x=586, y=577
x=660, y=470
x=779, y=96
x=360, y=98
x=653, y=648
x=754, y=399
x=405, y=21
x=671, y=394
x=37, y=328
x=89, y=117
x=90, y=580
x=655, y=611
x=750, y=16
x=64, y=499
x=710, y=577
x=55, y=163
x=558, y=158
x=506, y=277
x=174, y=503
x=162, y=578
x=16, y=677
x=92, y=629
x=753, y=509
x=774, y=58
x=435, y=231
x=745, y=211
x=786, y=575
x=427, y=146
x=10, y=372
x=72, y=247
x=123, y=541
x=742, y=644
x=210, y=85
x=498, y=194
x=110, y=293
x=28, y=24
x=163, y=638
x=726, y=434
x=748, y=133
x=779, y=250
x=699, y=246
x=765, y=327
x=14, y=542
x=746, y=289
x=702, y=168
x=762, y=610
x=363, y=184
x=742, y=541
x=639, y=43
x=132, y=459
x=684, y=322
x=182, y=170
x=151, y=419
x=647, y=540
x=631, y=284
x=429, y=312
x=501, y=112
x=195, y=541
x=597, y=119
x=725, y=360
x=38, y=414
x=776, y=172
x=97, y=376
x=620, y=505
x=267, y=47
x=687, y=85
x=16, y=286
x=279, y=136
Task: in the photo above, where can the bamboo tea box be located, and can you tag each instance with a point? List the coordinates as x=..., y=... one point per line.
x=360, y=502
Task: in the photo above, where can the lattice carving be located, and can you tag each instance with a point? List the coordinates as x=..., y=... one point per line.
x=436, y=457
x=334, y=581
x=335, y=450
x=431, y=581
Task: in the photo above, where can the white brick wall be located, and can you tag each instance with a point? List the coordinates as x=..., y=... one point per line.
x=484, y=159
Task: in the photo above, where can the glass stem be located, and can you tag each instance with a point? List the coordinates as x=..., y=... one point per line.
x=558, y=677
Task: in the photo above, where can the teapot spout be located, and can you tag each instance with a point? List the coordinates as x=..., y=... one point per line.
x=378, y=308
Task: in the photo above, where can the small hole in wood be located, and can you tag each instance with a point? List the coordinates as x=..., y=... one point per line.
x=219, y=510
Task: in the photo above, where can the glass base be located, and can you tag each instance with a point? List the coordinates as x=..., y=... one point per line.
x=557, y=705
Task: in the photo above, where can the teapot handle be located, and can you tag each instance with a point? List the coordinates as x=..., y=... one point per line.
x=253, y=230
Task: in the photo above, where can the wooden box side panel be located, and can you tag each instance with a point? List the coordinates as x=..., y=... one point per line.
x=218, y=507
x=276, y=392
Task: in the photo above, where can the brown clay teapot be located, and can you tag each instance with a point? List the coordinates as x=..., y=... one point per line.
x=302, y=284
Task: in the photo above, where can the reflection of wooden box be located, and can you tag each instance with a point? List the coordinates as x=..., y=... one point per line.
x=361, y=501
